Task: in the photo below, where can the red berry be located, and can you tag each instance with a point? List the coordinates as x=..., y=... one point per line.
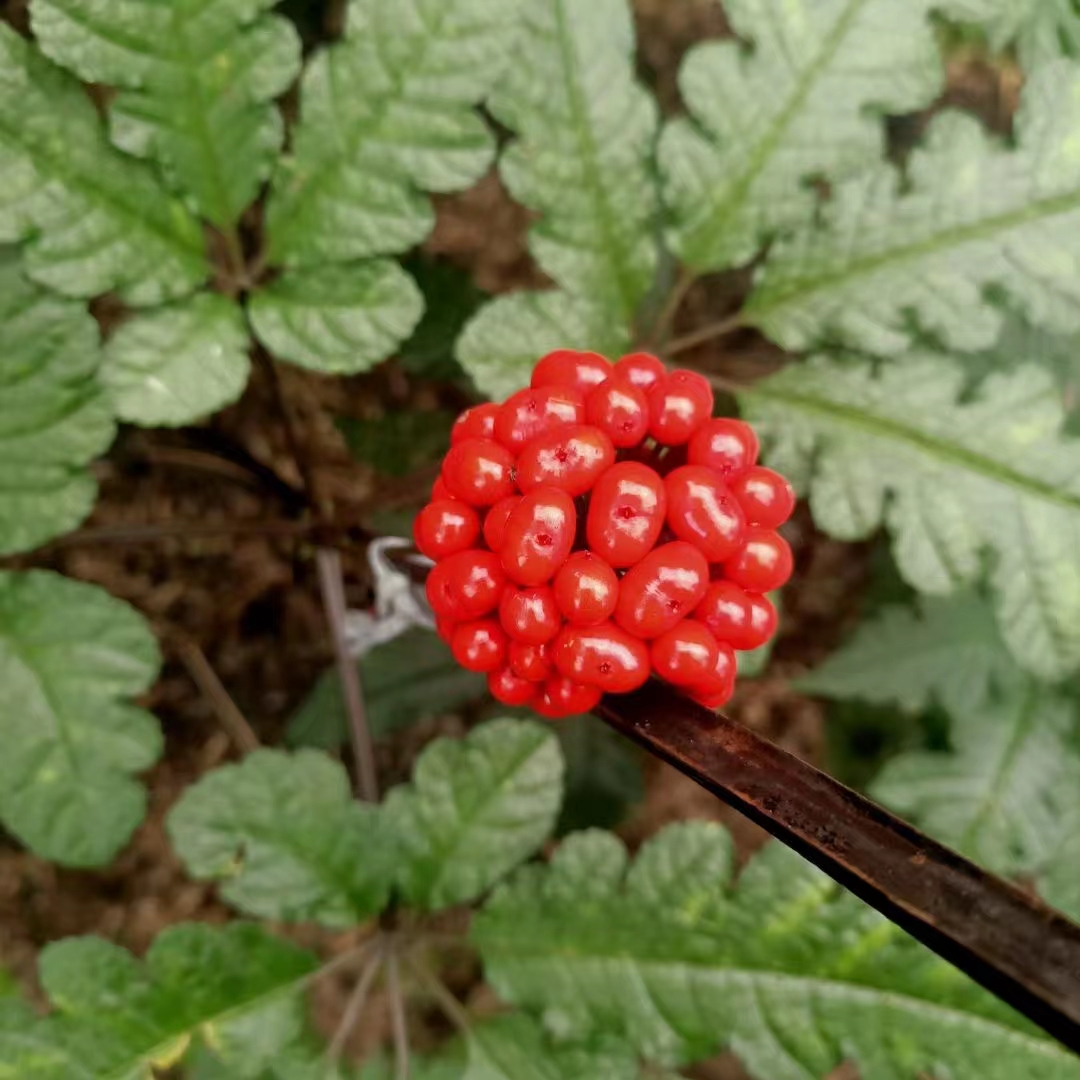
x=762, y=564
x=539, y=536
x=570, y=458
x=532, y=662
x=766, y=498
x=678, y=406
x=439, y=490
x=661, y=589
x=509, y=688
x=586, y=589
x=480, y=645
x=604, y=656
x=685, y=655
x=495, y=521
x=641, y=369
x=565, y=367
x=445, y=527
x=445, y=627
x=466, y=586
x=475, y=423
x=763, y=622
x=530, y=615
x=626, y=513
x=702, y=511
x=716, y=689
x=562, y=697
x=728, y=447
x=529, y=413
x=479, y=472
x=727, y=612
x=621, y=410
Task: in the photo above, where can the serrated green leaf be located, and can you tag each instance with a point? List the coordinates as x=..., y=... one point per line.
x=799, y=98
x=500, y=346
x=286, y=839
x=93, y=219
x=476, y=808
x=1040, y=30
x=71, y=658
x=952, y=478
x=115, y=1017
x=413, y=676
x=176, y=364
x=586, y=137
x=1010, y=789
x=786, y=968
x=199, y=78
x=386, y=114
x=949, y=650
x=893, y=257
x=341, y=319
x=53, y=417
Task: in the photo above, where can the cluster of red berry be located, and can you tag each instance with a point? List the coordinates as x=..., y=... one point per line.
x=601, y=526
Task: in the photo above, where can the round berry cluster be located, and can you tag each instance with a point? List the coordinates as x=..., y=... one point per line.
x=600, y=527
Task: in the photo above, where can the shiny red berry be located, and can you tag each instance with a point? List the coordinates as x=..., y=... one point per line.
x=532, y=662
x=479, y=472
x=726, y=611
x=479, y=646
x=728, y=447
x=466, y=586
x=444, y=527
x=539, y=535
x=641, y=369
x=767, y=499
x=678, y=406
x=685, y=655
x=621, y=410
x=439, y=490
x=445, y=628
x=531, y=412
x=586, y=589
x=511, y=689
x=565, y=367
x=495, y=521
x=570, y=458
x=530, y=615
x=475, y=423
x=604, y=656
x=715, y=690
x=763, y=622
x=662, y=589
x=562, y=697
x=702, y=511
x=626, y=513
x=762, y=564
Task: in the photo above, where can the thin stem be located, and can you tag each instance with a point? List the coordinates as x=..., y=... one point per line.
x=704, y=334
x=397, y=1017
x=206, y=679
x=353, y=1009
x=679, y=292
x=332, y=583
x=452, y=1008
x=729, y=386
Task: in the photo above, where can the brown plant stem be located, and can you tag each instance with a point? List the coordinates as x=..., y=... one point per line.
x=402, y=1055
x=704, y=334
x=353, y=1008
x=211, y=687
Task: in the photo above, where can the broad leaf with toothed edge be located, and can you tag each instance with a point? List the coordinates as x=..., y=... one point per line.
x=1039, y=30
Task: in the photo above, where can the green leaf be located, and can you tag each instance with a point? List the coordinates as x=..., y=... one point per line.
x=411, y=677
x=287, y=840
x=894, y=257
x=398, y=443
x=949, y=650
x=115, y=1017
x=199, y=79
x=603, y=774
x=93, y=219
x=386, y=114
x=500, y=346
x=176, y=364
x=71, y=657
x=53, y=417
x=1007, y=794
x=476, y=808
x=800, y=97
x=1039, y=29
x=583, y=160
x=341, y=319
x=785, y=968
x=951, y=477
